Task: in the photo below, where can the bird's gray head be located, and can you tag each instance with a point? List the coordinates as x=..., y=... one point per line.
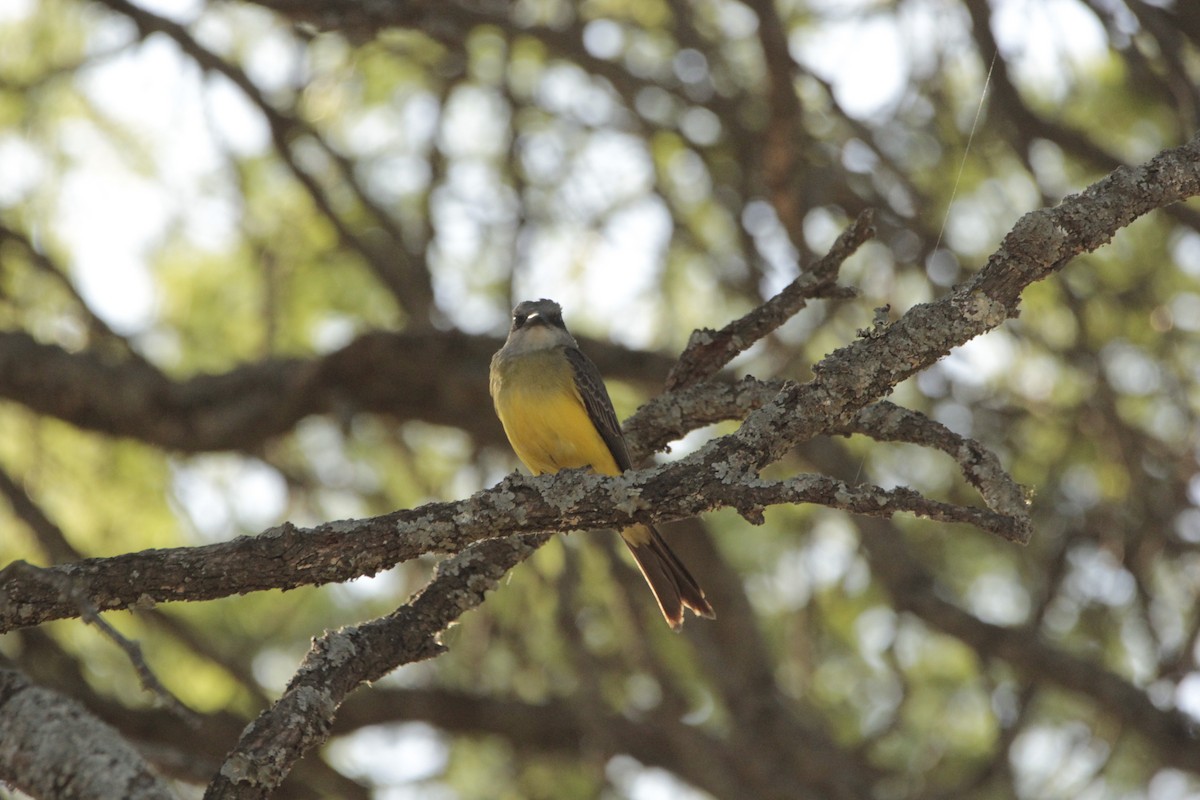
x=537, y=325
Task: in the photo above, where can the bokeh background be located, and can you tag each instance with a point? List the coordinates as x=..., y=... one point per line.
x=196, y=196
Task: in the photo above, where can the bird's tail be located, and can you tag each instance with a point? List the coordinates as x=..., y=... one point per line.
x=673, y=586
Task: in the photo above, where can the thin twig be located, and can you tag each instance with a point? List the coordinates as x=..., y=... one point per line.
x=708, y=351
x=70, y=591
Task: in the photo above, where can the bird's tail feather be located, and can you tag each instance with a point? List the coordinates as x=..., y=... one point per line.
x=673, y=586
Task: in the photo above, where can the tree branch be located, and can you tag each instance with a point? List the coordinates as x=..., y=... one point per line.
x=404, y=275
x=887, y=422
x=718, y=766
x=708, y=351
x=181, y=752
x=784, y=135
x=50, y=538
x=1041, y=243
x=844, y=383
x=913, y=589
x=285, y=557
x=438, y=377
x=674, y=414
x=342, y=660
x=50, y=746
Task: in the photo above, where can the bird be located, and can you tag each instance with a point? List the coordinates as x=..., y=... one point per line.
x=556, y=413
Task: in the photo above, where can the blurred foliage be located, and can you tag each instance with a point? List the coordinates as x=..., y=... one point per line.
x=610, y=155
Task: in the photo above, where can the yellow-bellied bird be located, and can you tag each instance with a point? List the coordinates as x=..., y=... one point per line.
x=557, y=415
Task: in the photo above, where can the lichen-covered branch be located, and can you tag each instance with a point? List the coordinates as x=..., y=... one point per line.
x=286, y=556
x=844, y=383
x=1041, y=242
x=51, y=746
x=342, y=660
x=708, y=351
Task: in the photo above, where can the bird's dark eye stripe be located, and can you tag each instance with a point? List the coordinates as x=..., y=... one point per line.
x=519, y=319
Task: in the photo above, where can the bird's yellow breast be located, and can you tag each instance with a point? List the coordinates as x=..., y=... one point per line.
x=544, y=416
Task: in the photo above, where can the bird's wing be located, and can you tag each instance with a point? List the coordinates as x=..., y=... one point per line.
x=599, y=406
